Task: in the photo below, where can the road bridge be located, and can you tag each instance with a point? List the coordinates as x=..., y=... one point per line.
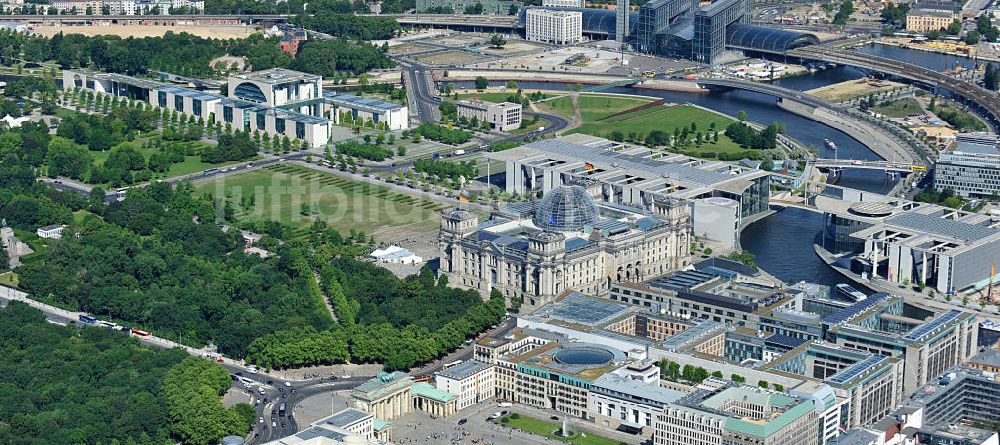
x=903, y=167
x=766, y=88
x=978, y=98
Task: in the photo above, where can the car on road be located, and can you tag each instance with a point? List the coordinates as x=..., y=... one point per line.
x=554, y=417
x=494, y=416
x=219, y=360
x=287, y=384
x=463, y=421
x=252, y=369
x=261, y=420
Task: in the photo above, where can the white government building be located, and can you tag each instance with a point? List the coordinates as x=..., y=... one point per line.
x=277, y=101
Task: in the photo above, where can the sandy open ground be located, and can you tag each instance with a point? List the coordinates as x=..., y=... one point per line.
x=212, y=32
x=851, y=89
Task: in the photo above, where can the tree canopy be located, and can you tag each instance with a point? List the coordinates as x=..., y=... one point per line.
x=97, y=386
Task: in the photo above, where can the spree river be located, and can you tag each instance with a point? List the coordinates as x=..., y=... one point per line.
x=783, y=242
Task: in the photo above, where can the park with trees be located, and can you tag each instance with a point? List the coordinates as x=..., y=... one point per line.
x=62, y=384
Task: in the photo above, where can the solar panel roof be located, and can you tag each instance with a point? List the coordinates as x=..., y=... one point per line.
x=941, y=226
x=849, y=373
x=350, y=99
x=925, y=329
x=577, y=308
x=636, y=165
x=683, y=280
x=854, y=309
x=784, y=340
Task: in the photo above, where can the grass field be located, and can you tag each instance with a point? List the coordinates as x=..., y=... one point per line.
x=495, y=97
x=666, y=119
x=191, y=164
x=9, y=279
x=546, y=429
x=900, y=108
x=592, y=106
x=280, y=193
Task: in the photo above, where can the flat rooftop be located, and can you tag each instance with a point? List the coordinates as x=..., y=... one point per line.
x=277, y=76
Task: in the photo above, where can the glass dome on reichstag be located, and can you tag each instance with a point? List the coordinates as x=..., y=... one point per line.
x=566, y=209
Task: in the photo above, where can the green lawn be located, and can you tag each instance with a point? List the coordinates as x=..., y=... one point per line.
x=280, y=192
x=9, y=279
x=191, y=164
x=486, y=97
x=546, y=429
x=592, y=106
x=900, y=108
x=666, y=119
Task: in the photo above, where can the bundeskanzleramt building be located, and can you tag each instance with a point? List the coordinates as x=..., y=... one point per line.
x=738, y=415
x=537, y=250
x=554, y=26
x=277, y=101
x=503, y=116
x=972, y=169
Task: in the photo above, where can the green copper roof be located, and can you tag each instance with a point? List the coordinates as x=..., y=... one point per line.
x=379, y=424
x=382, y=385
x=772, y=426
x=424, y=389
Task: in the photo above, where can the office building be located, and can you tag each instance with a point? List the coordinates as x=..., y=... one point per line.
x=350, y=426
x=503, y=116
x=348, y=109
x=622, y=22
x=710, y=25
x=635, y=175
x=563, y=3
x=127, y=7
x=656, y=19
x=704, y=295
x=928, y=347
x=869, y=384
x=922, y=20
x=554, y=26
x=278, y=102
x=536, y=250
x=949, y=250
x=972, y=169
x=491, y=7
x=738, y=415
x=630, y=398
x=472, y=381
x=558, y=375
x=956, y=409
x=988, y=360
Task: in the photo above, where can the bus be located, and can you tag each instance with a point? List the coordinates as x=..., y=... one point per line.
x=120, y=193
x=140, y=333
x=84, y=318
x=209, y=171
x=918, y=168
x=452, y=364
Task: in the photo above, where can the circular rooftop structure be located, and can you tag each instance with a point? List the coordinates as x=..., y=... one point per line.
x=584, y=355
x=872, y=209
x=566, y=209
